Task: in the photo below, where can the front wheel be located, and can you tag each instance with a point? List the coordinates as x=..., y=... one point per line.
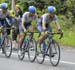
x=54, y=53
x=39, y=54
x=31, y=50
x=7, y=46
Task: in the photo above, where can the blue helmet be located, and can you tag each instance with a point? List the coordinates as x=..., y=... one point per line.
x=51, y=9
x=32, y=9
x=4, y=6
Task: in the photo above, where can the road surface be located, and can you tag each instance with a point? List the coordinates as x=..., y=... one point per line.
x=67, y=62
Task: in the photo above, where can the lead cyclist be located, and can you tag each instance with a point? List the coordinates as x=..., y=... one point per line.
x=44, y=22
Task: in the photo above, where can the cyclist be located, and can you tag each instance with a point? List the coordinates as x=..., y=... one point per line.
x=44, y=26
x=27, y=19
x=5, y=18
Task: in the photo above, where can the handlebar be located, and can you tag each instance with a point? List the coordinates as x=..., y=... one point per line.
x=51, y=33
x=2, y=28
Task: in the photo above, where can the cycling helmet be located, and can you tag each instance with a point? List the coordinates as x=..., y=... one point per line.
x=51, y=9
x=4, y=6
x=32, y=9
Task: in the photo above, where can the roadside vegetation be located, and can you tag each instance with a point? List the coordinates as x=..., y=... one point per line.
x=65, y=12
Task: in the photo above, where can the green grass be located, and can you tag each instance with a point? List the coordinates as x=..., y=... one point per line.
x=68, y=39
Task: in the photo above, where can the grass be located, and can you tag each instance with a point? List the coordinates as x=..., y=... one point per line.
x=68, y=39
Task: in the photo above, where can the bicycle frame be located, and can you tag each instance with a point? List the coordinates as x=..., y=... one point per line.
x=50, y=37
x=28, y=39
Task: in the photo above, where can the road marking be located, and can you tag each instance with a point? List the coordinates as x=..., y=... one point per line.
x=65, y=62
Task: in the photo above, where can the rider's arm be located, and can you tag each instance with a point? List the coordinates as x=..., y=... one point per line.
x=23, y=26
x=56, y=23
x=23, y=21
x=44, y=25
x=58, y=26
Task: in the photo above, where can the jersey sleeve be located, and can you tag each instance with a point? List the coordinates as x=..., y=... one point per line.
x=24, y=17
x=56, y=19
x=43, y=19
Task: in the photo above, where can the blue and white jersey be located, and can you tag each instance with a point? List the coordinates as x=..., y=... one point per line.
x=4, y=15
x=46, y=19
x=3, y=21
x=28, y=19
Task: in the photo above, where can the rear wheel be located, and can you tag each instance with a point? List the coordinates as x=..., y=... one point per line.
x=54, y=53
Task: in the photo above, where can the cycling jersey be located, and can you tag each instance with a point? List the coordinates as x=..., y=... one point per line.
x=27, y=20
x=3, y=17
x=45, y=18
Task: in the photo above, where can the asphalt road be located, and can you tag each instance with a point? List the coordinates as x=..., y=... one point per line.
x=67, y=62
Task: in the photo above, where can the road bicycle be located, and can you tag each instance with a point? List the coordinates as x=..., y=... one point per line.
x=28, y=46
x=5, y=42
x=52, y=49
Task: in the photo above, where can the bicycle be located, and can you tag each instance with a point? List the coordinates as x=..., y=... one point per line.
x=5, y=42
x=28, y=46
x=52, y=50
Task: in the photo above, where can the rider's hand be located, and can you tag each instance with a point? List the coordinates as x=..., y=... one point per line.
x=46, y=32
x=60, y=31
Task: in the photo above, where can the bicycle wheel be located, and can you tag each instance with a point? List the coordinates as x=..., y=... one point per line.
x=21, y=52
x=7, y=46
x=39, y=54
x=31, y=50
x=54, y=53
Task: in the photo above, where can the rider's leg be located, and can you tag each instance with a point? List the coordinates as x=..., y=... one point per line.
x=21, y=35
x=21, y=39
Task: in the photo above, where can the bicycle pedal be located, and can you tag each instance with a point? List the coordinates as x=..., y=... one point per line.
x=52, y=55
x=32, y=49
x=26, y=50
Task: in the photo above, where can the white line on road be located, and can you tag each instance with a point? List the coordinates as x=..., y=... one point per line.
x=65, y=62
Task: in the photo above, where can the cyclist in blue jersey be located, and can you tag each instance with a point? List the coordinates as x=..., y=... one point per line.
x=43, y=24
x=27, y=19
x=5, y=19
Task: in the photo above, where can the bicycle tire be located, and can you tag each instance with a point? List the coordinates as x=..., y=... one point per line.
x=7, y=45
x=52, y=55
x=31, y=50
